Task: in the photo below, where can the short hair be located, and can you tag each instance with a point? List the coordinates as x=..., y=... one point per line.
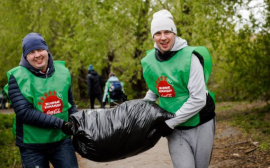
x=111, y=74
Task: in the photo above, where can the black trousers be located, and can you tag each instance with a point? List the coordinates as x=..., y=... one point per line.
x=92, y=100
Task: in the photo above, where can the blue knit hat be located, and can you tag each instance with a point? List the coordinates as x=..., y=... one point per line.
x=33, y=41
x=90, y=67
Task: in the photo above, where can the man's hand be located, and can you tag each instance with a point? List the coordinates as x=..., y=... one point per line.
x=66, y=128
x=164, y=129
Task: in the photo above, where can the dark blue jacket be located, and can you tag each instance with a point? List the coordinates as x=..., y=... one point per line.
x=94, y=83
x=26, y=114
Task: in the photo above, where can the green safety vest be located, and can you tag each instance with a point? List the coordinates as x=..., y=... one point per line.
x=169, y=79
x=48, y=95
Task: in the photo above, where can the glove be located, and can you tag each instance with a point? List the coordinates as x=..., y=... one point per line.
x=66, y=128
x=164, y=129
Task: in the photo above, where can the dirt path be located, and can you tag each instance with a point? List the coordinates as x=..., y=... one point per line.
x=232, y=149
x=156, y=157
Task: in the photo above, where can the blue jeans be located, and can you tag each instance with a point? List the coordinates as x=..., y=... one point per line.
x=62, y=156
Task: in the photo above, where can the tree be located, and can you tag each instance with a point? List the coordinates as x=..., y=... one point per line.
x=114, y=36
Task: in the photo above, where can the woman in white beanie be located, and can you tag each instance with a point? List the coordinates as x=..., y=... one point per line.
x=177, y=74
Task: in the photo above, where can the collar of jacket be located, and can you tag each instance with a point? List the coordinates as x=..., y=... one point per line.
x=164, y=56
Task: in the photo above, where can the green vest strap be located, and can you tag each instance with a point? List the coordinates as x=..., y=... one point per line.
x=207, y=60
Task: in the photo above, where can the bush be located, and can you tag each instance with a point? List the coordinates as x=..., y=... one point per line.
x=6, y=121
x=10, y=155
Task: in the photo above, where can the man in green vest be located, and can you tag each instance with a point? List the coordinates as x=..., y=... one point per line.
x=177, y=74
x=40, y=93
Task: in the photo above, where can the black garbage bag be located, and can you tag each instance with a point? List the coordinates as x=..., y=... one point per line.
x=104, y=135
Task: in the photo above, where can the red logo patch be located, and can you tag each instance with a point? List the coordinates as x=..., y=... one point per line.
x=51, y=104
x=164, y=88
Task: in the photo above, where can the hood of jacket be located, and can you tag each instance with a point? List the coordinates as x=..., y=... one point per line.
x=113, y=78
x=93, y=72
x=179, y=43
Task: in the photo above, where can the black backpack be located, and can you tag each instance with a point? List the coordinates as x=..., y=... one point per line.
x=115, y=90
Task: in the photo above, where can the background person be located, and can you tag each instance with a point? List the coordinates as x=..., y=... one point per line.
x=114, y=90
x=40, y=92
x=94, y=84
x=174, y=74
x=3, y=99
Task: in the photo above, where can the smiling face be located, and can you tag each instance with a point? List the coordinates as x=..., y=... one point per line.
x=164, y=40
x=38, y=59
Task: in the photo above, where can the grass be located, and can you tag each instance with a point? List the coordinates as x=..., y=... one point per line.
x=10, y=156
x=83, y=104
x=253, y=118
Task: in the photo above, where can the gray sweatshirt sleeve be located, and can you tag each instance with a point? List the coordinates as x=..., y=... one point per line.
x=197, y=95
x=150, y=95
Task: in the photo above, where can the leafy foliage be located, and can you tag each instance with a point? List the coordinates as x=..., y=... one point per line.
x=114, y=35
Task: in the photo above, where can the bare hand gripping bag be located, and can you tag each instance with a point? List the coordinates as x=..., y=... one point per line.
x=104, y=135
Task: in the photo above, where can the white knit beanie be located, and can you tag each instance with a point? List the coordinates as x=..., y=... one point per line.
x=162, y=20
